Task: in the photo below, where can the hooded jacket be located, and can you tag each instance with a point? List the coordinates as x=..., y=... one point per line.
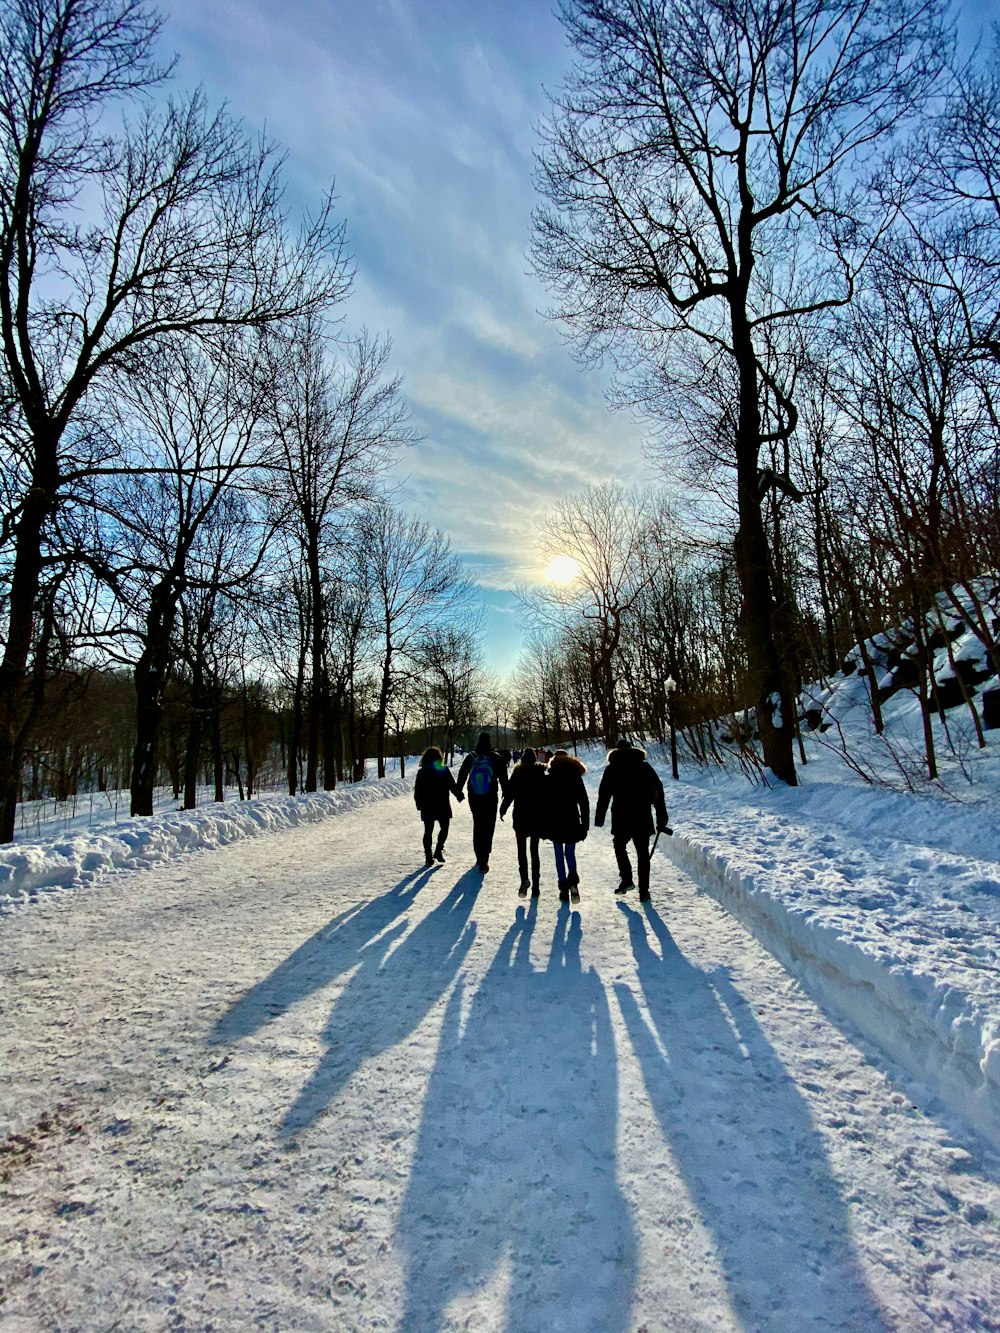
x=567, y=805
x=527, y=788
x=632, y=787
x=499, y=777
x=431, y=789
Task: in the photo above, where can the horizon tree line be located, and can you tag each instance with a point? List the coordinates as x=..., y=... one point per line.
x=781, y=224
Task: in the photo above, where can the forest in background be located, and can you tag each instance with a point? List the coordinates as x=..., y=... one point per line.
x=786, y=239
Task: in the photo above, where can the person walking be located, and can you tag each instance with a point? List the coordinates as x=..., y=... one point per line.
x=433, y=786
x=526, y=791
x=632, y=787
x=567, y=818
x=486, y=774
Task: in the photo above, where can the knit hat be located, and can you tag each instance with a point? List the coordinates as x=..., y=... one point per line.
x=624, y=744
x=484, y=744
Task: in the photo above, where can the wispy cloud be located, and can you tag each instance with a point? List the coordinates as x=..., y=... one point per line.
x=423, y=111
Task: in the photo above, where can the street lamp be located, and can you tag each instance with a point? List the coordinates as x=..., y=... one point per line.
x=670, y=685
x=449, y=748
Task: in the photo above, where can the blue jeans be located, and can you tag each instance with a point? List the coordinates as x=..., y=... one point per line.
x=565, y=859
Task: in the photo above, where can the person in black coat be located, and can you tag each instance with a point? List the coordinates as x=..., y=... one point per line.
x=526, y=790
x=431, y=790
x=486, y=773
x=631, y=785
x=567, y=818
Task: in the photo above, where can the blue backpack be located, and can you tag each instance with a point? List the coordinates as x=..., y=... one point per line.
x=481, y=775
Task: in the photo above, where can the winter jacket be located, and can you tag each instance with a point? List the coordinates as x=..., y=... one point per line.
x=431, y=789
x=526, y=791
x=499, y=778
x=567, y=805
x=633, y=789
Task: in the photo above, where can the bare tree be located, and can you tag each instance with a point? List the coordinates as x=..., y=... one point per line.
x=194, y=420
x=417, y=587
x=108, y=242
x=449, y=662
x=707, y=169
x=958, y=166
x=604, y=530
x=337, y=425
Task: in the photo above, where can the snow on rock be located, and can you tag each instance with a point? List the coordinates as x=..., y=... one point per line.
x=62, y=862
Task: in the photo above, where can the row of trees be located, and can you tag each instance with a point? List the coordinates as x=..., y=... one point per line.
x=781, y=223
x=192, y=477
x=648, y=638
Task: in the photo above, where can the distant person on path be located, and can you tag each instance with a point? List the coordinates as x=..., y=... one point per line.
x=434, y=784
x=526, y=791
x=631, y=786
x=486, y=774
x=567, y=818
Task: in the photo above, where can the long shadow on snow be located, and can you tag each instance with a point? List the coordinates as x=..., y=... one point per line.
x=745, y=1142
x=516, y=1161
x=333, y=950
x=388, y=995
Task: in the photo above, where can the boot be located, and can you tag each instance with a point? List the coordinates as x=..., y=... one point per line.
x=563, y=891
x=574, y=888
x=523, y=890
x=644, y=895
x=624, y=886
x=535, y=890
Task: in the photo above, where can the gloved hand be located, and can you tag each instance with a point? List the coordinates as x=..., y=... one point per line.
x=664, y=828
x=598, y=823
x=583, y=836
x=460, y=796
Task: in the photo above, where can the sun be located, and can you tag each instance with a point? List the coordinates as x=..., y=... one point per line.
x=562, y=569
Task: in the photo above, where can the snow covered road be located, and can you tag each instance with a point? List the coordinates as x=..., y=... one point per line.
x=299, y=1083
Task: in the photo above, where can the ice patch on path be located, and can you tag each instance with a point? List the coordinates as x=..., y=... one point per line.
x=27, y=870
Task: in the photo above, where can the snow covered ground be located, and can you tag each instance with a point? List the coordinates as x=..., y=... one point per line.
x=298, y=1082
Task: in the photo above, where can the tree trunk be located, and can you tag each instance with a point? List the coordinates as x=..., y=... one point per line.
x=192, y=751
x=331, y=737
x=316, y=664
x=151, y=672
x=773, y=700
x=382, y=720
x=22, y=598
x=218, y=758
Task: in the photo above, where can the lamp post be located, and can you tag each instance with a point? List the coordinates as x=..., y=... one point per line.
x=670, y=685
x=449, y=745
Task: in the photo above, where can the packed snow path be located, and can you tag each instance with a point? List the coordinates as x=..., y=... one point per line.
x=300, y=1083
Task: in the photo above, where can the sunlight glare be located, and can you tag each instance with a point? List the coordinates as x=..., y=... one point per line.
x=562, y=569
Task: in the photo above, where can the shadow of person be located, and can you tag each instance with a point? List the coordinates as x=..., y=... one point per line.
x=333, y=950
x=393, y=988
x=743, y=1138
x=514, y=1179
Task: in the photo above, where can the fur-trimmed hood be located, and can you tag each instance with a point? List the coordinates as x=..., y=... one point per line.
x=565, y=764
x=633, y=755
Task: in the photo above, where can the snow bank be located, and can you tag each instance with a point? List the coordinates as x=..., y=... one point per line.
x=878, y=908
x=29, y=869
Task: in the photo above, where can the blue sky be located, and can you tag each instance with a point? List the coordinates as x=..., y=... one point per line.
x=423, y=115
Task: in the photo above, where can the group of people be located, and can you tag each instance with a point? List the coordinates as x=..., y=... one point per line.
x=550, y=802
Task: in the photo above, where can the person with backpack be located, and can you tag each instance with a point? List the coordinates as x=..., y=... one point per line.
x=567, y=818
x=486, y=773
x=632, y=787
x=526, y=791
x=434, y=783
